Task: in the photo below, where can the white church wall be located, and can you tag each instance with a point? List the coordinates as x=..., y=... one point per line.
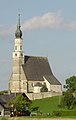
x=33, y=96
x=36, y=89
x=51, y=87
x=23, y=81
x=56, y=88
x=47, y=84
x=32, y=83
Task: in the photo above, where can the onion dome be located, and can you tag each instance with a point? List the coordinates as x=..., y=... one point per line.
x=18, y=33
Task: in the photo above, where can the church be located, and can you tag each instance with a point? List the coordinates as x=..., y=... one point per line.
x=30, y=73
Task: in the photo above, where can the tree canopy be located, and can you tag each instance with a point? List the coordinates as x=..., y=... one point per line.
x=71, y=83
x=20, y=103
x=69, y=96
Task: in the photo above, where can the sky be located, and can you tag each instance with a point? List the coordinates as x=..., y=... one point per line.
x=49, y=30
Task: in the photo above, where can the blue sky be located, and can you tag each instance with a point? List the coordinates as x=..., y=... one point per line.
x=49, y=29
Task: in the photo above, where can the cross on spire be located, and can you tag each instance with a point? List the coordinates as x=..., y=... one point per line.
x=18, y=32
x=18, y=21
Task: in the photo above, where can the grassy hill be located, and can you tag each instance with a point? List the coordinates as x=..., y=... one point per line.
x=46, y=105
x=51, y=106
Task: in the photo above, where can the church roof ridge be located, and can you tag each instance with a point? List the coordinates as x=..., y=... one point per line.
x=45, y=57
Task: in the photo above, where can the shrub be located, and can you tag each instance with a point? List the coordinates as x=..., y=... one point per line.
x=44, y=88
x=67, y=100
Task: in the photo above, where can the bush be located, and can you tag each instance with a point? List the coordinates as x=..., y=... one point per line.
x=67, y=100
x=44, y=88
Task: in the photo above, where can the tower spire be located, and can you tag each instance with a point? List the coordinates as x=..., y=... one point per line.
x=18, y=25
x=18, y=33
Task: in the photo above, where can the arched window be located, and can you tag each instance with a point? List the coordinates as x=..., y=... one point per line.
x=15, y=47
x=21, y=54
x=20, y=47
x=15, y=54
x=32, y=84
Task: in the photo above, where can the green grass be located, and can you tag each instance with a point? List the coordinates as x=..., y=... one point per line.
x=46, y=105
x=51, y=105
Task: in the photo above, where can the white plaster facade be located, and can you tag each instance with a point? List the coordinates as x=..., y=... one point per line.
x=53, y=87
x=36, y=89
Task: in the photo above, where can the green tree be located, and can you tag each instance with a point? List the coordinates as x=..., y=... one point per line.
x=71, y=83
x=68, y=99
x=44, y=88
x=19, y=103
x=4, y=92
x=69, y=96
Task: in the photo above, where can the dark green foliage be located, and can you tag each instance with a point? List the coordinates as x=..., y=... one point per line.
x=44, y=88
x=3, y=92
x=19, y=103
x=68, y=100
x=69, y=97
x=71, y=83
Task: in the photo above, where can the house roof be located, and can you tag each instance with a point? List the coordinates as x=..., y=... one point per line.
x=52, y=79
x=5, y=98
x=37, y=67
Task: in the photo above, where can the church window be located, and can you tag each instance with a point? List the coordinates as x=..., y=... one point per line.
x=16, y=54
x=15, y=47
x=21, y=54
x=32, y=84
x=20, y=47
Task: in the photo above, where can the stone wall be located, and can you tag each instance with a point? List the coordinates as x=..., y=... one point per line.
x=33, y=96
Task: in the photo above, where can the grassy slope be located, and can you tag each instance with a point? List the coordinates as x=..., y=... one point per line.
x=46, y=105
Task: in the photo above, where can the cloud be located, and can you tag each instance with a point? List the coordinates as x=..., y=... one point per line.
x=53, y=20
x=71, y=25
x=50, y=19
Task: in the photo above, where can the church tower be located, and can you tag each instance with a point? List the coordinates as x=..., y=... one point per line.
x=29, y=73
x=16, y=83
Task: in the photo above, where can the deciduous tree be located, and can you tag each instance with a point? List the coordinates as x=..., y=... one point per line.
x=71, y=83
